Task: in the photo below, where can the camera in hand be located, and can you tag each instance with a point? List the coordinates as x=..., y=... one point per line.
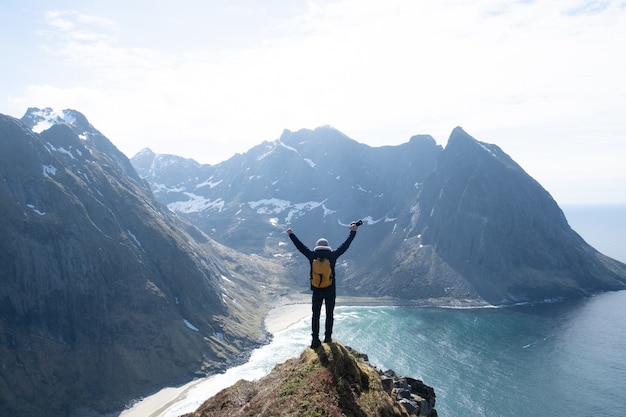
x=358, y=222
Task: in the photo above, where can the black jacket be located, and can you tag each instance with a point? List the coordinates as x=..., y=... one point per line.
x=332, y=255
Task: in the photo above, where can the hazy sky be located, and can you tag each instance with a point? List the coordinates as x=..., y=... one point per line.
x=545, y=80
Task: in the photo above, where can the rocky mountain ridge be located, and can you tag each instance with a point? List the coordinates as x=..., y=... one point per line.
x=460, y=224
x=105, y=293
x=118, y=277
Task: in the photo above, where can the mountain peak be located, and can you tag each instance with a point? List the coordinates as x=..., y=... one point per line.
x=320, y=133
x=42, y=119
x=460, y=137
x=145, y=152
x=462, y=148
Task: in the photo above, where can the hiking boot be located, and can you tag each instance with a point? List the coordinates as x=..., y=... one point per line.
x=315, y=343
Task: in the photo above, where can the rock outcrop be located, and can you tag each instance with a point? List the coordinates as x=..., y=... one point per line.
x=332, y=380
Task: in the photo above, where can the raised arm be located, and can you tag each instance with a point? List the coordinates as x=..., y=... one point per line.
x=345, y=245
x=299, y=245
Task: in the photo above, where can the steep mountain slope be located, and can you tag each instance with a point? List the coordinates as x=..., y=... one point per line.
x=495, y=226
x=104, y=293
x=460, y=224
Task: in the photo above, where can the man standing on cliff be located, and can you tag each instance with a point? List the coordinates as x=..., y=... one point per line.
x=323, y=293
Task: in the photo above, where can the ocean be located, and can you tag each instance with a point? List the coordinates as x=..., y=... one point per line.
x=556, y=359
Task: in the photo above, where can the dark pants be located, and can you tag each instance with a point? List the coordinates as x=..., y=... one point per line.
x=326, y=296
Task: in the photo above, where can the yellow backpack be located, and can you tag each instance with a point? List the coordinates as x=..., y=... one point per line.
x=321, y=273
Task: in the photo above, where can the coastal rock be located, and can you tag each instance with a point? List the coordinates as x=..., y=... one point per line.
x=332, y=380
x=416, y=397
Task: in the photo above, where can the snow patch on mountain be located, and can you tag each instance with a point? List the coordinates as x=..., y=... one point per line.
x=281, y=143
x=369, y=220
x=269, y=206
x=49, y=170
x=190, y=326
x=488, y=148
x=293, y=211
x=46, y=118
x=137, y=242
x=209, y=183
x=158, y=188
x=35, y=209
x=327, y=211
x=196, y=203
x=272, y=146
x=62, y=150
x=300, y=209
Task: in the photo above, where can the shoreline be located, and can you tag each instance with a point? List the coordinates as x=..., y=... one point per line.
x=287, y=312
x=291, y=310
x=284, y=316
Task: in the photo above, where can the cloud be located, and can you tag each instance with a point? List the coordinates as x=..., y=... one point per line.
x=220, y=80
x=69, y=26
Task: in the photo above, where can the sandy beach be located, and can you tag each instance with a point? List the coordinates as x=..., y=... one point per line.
x=280, y=318
x=287, y=313
x=285, y=316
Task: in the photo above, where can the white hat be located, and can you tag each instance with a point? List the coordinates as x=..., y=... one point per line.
x=322, y=244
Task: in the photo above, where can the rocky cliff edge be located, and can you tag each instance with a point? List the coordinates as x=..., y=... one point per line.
x=332, y=380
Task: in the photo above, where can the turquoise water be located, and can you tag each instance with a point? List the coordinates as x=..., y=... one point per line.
x=559, y=359
x=551, y=360
x=563, y=359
